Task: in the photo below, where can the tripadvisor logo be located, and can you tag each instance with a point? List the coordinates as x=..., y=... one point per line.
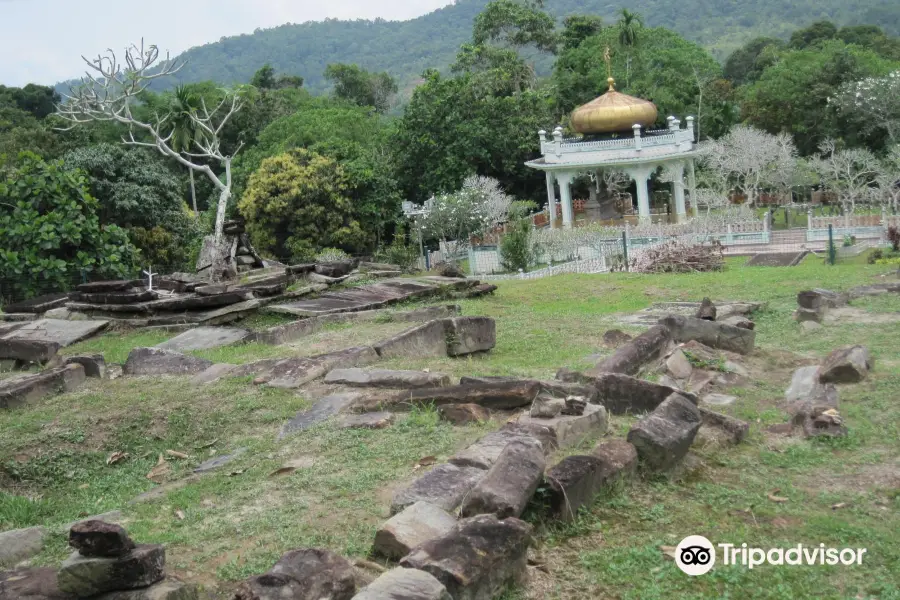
x=696, y=555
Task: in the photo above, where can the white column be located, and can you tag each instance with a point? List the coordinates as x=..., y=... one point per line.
x=640, y=176
x=678, y=192
x=551, y=196
x=565, y=197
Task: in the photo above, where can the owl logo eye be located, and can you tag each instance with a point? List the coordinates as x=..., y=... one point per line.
x=695, y=555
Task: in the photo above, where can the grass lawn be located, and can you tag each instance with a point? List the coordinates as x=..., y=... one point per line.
x=236, y=521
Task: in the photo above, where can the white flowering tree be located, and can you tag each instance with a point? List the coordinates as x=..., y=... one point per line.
x=476, y=209
x=874, y=103
x=749, y=159
x=850, y=173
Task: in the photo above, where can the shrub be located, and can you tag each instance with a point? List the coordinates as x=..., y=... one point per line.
x=330, y=255
x=405, y=256
x=875, y=256
x=516, y=249
x=893, y=236
x=296, y=203
x=50, y=234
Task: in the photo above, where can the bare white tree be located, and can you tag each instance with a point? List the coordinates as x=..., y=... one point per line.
x=108, y=92
x=849, y=173
x=751, y=159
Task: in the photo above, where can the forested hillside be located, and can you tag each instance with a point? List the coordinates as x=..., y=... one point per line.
x=406, y=49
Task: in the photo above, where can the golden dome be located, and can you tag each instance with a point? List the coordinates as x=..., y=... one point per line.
x=613, y=111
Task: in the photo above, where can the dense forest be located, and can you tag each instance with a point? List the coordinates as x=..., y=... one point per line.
x=96, y=185
x=405, y=49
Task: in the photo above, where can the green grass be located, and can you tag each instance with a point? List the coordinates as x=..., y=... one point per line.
x=239, y=519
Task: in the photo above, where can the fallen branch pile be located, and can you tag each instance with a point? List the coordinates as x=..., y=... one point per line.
x=678, y=256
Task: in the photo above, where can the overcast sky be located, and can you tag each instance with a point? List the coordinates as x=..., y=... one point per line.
x=41, y=41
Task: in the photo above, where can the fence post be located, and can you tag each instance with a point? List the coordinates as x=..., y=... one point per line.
x=832, y=251
x=625, y=245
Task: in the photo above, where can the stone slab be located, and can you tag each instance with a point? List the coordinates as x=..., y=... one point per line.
x=404, y=584
x=426, y=340
x=94, y=364
x=571, y=430
x=477, y=560
x=217, y=462
x=87, y=577
x=292, y=373
x=156, y=361
x=20, y=544
x=386, y=379
x=711, y=333
x=17, y=391
x=28, y=350
x=31, y=584
x=365, y=297
x=204, y=338
x=38, y=304
x=213, y=373
x=777, y=259
x=414, y=525
x=444, y=486
x=664, y=437
x=510, y=483
x=485, y=452
x=469, y=335
x=374, y=420
x=64, y=333
x=494, y=395
x=321, y=411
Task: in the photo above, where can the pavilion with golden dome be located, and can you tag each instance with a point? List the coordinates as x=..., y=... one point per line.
x=615, y=136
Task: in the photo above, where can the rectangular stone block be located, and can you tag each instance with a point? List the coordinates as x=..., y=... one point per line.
x=413, y=526
x=496, y=395
x=404, y=584
x=572, y=429
x=478, y=559
x=86, y=577
x=485, y=452
x=468, y=335
x=428, y=339
x=386, y=379
x=20, y=390
x=510, y=483
x=711, y=333
x=630, y=357
x=664, y=437
x=444, y=486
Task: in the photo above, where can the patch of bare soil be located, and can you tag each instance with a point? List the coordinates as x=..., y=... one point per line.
x=884, y=476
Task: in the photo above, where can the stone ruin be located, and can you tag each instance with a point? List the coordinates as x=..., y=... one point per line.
x=105, y=565
x=456, y=530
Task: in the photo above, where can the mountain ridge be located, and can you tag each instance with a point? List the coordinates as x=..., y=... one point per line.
x=406, y=48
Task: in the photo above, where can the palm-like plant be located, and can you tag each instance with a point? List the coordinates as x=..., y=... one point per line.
x=182, y=108
x=630, y=24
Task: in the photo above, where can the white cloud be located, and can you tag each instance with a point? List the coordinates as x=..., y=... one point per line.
x=41, y=40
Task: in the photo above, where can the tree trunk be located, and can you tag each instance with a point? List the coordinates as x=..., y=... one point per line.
x=193, y=192
x=223, y=202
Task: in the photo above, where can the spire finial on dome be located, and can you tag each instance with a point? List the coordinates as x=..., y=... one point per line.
x=607, y=57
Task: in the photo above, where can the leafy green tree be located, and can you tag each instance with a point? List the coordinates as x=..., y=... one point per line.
x=818, y=32
x=38, y=100
x=296, y=204
x=451, y=128
x=747, y=63
x=872, y=38
x=516, y=23
x=135, y=189
x=355, y=84
x=665, y=69
x=793, y=94
x=355, y=136
x=50, y=232
x=577, y=28
x=264, y=78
